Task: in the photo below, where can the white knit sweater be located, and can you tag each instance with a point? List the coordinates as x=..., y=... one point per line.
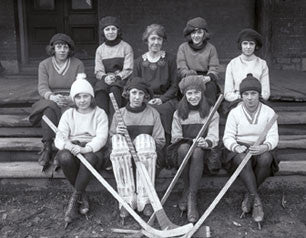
x=242, y=127
x=90, y=127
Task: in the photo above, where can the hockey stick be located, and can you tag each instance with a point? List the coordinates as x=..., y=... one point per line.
x=148, y=229
x=185, y=161
x=161, y=216
x=259, y=141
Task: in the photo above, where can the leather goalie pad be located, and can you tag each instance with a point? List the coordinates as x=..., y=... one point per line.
x=146, y=151
x=123, y=171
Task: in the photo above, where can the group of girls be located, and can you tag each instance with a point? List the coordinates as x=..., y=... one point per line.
x=147, y=91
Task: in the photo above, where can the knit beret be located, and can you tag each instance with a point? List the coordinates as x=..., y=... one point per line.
x=109, y=21
x=193, y=24
x=192, y=82
x=81, y=85
x=250, y=83
x=249, y=35
x=62, y=38
x=139, y=84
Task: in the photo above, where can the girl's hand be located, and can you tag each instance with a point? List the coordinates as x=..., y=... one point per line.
x=75, y=149
x=205, y=79
x=59, y=99
x=258, y=150
x=240, y=148
x=121, y=129
x=156, y=101
x=109, y=79
x=202, y=143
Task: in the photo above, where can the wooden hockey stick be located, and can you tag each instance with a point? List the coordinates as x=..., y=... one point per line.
x=259, y=141
x=183, y=164
x=161, y=216
x=147, y=228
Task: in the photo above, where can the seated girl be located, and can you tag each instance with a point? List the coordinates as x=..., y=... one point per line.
x=82, y=129
x=145, y=129
x=188, y=119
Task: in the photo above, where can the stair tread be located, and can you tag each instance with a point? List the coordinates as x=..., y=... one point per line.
x=33, y=170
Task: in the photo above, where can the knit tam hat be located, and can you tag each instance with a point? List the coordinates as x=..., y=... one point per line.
x=250, y=83
x=81, y=85
x=108, y=21
x=139, y=84
x=192, y=82
x=193, y=24
x=62, y=38
x=249, y=35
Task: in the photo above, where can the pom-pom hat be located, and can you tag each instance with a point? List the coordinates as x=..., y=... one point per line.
x=81, y=85
x=62, y=38
x=192, y=82
x=250, y=83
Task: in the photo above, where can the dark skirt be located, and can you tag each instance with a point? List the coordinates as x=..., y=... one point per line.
x=228, y=165
x=100, y=85
x=38, y=109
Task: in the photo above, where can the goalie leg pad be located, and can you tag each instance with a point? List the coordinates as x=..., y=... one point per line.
x=145, y=147
x=123, y=171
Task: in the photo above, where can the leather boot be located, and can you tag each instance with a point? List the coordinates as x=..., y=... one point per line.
x=246, y=205
x=258, y=213
x=45, y=154
x=72, y=209
x=182, y=204
x=84, y=207
x=192, y=208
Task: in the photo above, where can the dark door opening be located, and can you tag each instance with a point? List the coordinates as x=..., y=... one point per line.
x=77, y=18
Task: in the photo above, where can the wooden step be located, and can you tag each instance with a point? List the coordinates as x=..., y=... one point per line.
x=21, y=132
x=15, y=110
x=14, y=121
x=33, y=170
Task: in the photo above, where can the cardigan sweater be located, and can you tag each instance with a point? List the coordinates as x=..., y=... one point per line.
x=117, y=59
x=204, y=60
x=190, y=127
x=161, y=75
x=242, y=127
x=50, y=81
x=144, y=122
x=237, y=70
x=91, y=127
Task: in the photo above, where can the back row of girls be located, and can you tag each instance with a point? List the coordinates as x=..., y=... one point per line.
x=150, y=85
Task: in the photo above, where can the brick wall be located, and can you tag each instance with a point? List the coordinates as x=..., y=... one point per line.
x=289, y=35
x=8, y=46
x=225, y=19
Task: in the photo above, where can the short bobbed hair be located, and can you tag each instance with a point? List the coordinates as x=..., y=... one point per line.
x=154, y=28
x=51, y=51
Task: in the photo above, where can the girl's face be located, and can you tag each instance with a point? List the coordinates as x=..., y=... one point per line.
x=250, y=99
x=248, y=47
x=136, y=97
x=82, y=101
x=197, y=36
x=155, y=43
x=110, y=32
x=193, y=96
x=61, y=51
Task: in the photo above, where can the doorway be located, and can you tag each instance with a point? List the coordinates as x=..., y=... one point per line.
x=76, y=18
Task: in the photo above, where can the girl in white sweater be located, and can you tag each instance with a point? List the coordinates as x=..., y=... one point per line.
x=83, y=129
x=244, y=125
x=249, y=41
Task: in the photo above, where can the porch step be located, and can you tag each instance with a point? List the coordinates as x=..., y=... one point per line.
x=33, y=170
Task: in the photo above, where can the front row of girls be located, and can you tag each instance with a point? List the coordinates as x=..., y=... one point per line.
x=84, y=129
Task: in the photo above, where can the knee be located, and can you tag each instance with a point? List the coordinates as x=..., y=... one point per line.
x=119, y=144
x=238, y=159
x=264, y=160
x=114, y=89
x=91, y=158
x=198, y=154
x=144, y=143
x=50, y=113
x=183, y=149
x=64, y=158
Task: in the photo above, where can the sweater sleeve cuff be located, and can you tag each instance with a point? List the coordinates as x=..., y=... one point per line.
x=233, y=147
x=118, y=78
x=269, y=145
x=68, y=146
x=209, y=143
x=212, y=77
x=47, y=95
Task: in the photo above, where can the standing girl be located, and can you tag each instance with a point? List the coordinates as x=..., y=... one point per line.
x=113, y=64
x=83, y=129
x=188, y=119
